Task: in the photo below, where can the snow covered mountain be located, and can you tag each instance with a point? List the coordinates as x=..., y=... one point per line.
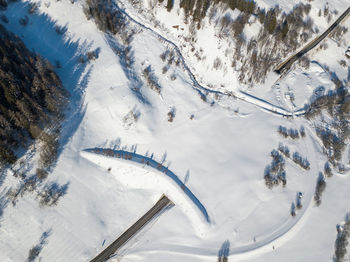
x=257, y=167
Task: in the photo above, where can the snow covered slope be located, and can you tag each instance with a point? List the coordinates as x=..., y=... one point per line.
x=217, y=142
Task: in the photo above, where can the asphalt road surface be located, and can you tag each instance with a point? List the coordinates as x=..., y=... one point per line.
x=131, y=231
x=288, y=63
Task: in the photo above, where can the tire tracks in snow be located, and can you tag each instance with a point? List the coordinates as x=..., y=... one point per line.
x=279, y=236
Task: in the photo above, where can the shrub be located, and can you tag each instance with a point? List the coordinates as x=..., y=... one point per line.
x=41, y=173
x=171, y=115
x=217, y=63
x=92, y=55
x=164, y=55
x=33, y=7
x=33, y=253
x=151, y=79
x=320, y=187
x=24, y=20
x=165, y=69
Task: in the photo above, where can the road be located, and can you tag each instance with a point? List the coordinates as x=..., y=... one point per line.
x=131, y=231
x=289, y=62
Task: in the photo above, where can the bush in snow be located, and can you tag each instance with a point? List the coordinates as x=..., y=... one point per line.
x=171, y=115
x=320, y=187
x=24, y=20
x=151, y=79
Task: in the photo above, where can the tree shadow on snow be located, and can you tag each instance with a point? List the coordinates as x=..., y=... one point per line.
x=127, y=61
x=34, y=252
x=149, y=161
x=224, y=252
x=45, y=37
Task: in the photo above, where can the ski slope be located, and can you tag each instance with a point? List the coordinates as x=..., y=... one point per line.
x=217, y=149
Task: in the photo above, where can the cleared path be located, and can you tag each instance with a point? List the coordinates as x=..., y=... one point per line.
x=289, y=62
x=131, y=231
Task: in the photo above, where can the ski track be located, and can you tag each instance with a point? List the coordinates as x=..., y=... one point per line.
x=277, y=238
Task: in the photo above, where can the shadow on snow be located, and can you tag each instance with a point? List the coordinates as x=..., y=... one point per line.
x=45, y=37
x=152, y=163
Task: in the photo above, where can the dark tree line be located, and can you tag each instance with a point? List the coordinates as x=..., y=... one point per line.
x=197, y=9
x=107, y=18
x=31, y=95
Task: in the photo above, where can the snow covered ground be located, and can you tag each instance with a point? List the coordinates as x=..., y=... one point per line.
x=218, y=148
x=198, y=53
